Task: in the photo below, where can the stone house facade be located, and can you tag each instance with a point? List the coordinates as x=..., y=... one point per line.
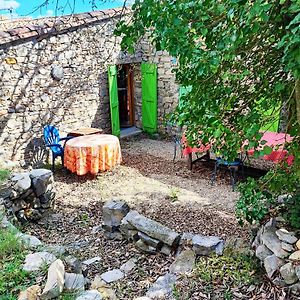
x=57, y=73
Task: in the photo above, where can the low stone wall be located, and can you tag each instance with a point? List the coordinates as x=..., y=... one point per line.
x=28, y=195
x=279, y=252
x=150, y=236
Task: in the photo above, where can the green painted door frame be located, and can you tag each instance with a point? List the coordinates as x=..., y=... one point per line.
x=114, y=101
x=149, y=97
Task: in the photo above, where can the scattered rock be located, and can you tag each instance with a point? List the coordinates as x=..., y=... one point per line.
x=272, y=263
x=30, y=241
x=112, y=276
x=35, y=261
x=55, y=280
x=204, y=245
x=297, y=271
x=73, y=263
x=288, y=273
x=162, y=287
x=287, y=247
x=272, y=242
x=262, y=252
x=129, y=265
x=32, y=293
x=183, y=263
x=166, y=250
x=295, y=256
x=74, y=282
x=90, y=295
x=285, y=236
x=104, y=289
x=56, y=250
x=298, y=245
x=141, y=245
x=295, y=288
x=91, y=261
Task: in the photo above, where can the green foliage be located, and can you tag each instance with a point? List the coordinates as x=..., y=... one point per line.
x=232, y=269
x=12, y=277
x=240, y=60
x=4, y=174
x=253, y=204
x=292, y=211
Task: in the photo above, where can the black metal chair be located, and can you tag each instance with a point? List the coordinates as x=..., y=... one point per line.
x=232, y=166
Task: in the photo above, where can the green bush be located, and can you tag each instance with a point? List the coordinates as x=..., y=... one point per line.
x=253, y=204
x=292, y=211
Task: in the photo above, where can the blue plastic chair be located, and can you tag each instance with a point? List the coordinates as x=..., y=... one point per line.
x=233, y=167
x=52, y=140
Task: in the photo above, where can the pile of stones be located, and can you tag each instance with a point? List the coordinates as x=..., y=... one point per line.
x=150, y=236
x=28, y=195
x=279, y=252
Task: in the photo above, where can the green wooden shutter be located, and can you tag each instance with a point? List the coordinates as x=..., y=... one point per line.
x=149, y=97
x=114, y=102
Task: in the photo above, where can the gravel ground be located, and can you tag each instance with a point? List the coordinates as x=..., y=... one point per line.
x=158, y=188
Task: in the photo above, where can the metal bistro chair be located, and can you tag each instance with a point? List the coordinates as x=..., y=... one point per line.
x=176, y=133
x=232, y=166
x=52, y=140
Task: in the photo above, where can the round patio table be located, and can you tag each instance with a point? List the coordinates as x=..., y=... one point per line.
x=92, y=153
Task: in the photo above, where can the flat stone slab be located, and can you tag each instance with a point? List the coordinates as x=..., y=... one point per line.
x=35, y=261
x=74, y=282
x=184, y=262
x=128, y=266
x=286, y=236
x=90, y=295
x=162, y=287
x=112, y=276
x=91, y=261
x=152, y=228
x=272, y=242
x=272, y=263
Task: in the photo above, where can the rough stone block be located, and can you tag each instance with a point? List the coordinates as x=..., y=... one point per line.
x=113, y=212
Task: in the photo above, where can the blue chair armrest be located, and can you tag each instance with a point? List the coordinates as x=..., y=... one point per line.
x=53, y=145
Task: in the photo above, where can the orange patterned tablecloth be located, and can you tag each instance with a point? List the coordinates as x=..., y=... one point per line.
x=92, y=153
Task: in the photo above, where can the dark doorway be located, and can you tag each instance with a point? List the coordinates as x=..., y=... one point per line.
x=125, y=96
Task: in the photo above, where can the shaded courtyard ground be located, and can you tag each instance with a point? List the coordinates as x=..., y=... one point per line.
x=167, y=192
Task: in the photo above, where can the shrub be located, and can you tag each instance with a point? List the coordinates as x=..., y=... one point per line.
x=292, y=211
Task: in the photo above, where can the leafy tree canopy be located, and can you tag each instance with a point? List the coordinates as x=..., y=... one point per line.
x=241, y=59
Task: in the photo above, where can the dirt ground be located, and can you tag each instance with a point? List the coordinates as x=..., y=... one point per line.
x=158, y=188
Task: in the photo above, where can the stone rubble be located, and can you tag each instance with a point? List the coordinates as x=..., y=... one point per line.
x=277, y=248
x=28, y=195
x=150, y=236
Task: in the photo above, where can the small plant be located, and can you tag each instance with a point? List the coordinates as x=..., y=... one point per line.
x=85, y=218
x=233, y=269
x=173, y=195
x=12, y=277
x=4, y=174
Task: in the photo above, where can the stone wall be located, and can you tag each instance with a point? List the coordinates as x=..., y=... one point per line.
x=31, y=97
